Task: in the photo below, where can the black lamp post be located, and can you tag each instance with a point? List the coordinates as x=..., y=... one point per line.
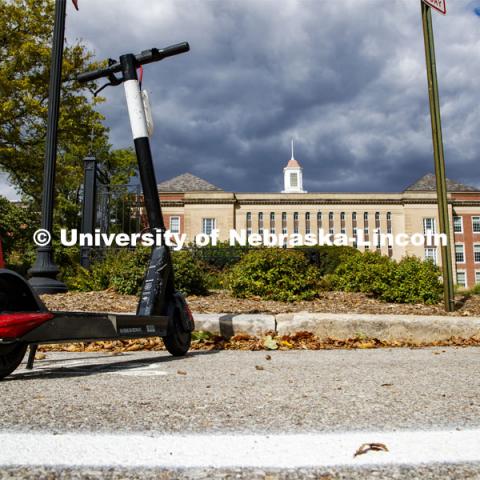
x=44, y=271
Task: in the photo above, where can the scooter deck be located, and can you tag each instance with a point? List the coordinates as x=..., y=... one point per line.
x=92, y=326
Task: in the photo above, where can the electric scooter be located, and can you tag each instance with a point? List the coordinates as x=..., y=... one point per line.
x=162, y=311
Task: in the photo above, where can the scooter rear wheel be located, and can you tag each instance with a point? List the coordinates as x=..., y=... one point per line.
x=10, y=358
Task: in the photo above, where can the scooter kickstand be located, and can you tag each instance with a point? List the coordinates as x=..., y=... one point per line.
x=31, y=356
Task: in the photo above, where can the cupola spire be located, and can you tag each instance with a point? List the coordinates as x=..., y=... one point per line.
x=292, y=175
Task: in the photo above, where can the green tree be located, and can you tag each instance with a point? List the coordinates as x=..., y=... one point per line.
x=15, y=226
x=26, y=28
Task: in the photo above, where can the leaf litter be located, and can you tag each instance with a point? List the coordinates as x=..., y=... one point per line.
x=110, y=301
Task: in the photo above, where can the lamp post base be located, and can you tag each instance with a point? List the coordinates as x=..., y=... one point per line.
x=44, y=272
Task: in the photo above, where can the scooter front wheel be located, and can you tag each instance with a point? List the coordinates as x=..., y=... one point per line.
x=10, y=357
x=177, y=341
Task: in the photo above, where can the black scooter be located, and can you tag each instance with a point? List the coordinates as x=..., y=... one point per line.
x=162, y=311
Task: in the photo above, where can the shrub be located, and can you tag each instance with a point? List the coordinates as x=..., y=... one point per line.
x=475, y=290
x=328, y=257
x=369, y=272
x=409, y=281
x=123, y=270
x=220, y=256
x=274, y=274
x=127, y=269
x=190, y=274
x=414, y=281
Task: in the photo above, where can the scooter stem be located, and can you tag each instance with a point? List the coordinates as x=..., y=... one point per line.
x=138, y=122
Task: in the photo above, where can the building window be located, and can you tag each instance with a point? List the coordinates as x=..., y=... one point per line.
x=458, y=224
x=343, y=231
x=342, y=216
x=319, y=220
x=295, y=222
x=377, y=219
x=249, y=223
x=429, y=226
x=208, y=225
x=260, y=223
x=390, y=251
x=459, y=253
x=307, y=223
x=476, y=253
x=354, y=216
x=365, y=217
x=461, y=278
x=331, y=223
x=175, y=224
x=476, y=224
x=389, y=222
x=477, y=277
x=294, y=179
x=431, y=254
x=284, y=223
x=272, y=222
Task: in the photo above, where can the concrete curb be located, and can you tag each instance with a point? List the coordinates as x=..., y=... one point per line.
x=402, y=328
x=229, y=324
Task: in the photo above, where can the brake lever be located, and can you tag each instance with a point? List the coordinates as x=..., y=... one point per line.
x=114, y=81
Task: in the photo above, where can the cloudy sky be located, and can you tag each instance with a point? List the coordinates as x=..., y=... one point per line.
x=346, y=79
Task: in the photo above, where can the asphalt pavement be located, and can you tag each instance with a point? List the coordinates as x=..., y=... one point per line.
x=289, y=414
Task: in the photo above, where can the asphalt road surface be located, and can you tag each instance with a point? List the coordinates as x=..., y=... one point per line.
x=299, y=414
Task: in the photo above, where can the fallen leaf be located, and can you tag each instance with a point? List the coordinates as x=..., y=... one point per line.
x=40, y=356
x=387, y=385
x=181, y=372
x=268, y=357
x=365, y=345
x=370, y=447
x=259, y=367
x=269, y=343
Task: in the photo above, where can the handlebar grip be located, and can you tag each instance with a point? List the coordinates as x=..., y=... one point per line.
x=157, y=54
x=174, y=49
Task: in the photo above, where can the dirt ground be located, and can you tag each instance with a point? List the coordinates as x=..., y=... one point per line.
x=222, y=302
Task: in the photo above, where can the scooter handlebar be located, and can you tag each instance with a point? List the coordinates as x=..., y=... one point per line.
x=147, y=56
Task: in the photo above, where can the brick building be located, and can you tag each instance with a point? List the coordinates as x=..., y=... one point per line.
x=192, y=205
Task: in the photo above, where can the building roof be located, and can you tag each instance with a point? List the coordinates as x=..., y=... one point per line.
x=428, y=184
x=292, y=163
x=186, y=182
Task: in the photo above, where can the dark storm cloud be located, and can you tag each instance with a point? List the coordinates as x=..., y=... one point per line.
x=345, y=79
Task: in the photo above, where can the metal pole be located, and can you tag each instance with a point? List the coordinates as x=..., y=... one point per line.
x=44, y=271
x=89, y=205
x=438, y=154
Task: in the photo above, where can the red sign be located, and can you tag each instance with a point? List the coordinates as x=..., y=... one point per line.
x=440, y=5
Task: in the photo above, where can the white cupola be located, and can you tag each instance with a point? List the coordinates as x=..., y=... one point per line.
x=293, y=176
